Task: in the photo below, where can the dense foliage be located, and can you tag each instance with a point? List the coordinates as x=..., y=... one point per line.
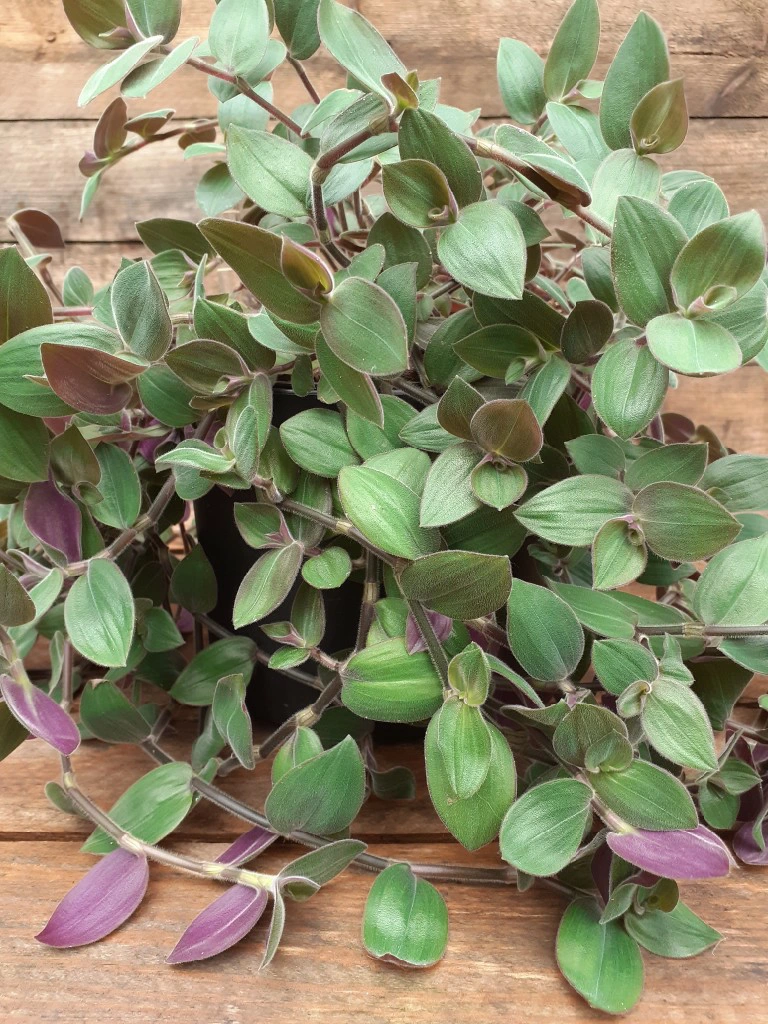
x=490, y=316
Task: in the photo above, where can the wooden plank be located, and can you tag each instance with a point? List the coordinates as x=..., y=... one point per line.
x=157, y=180
x=106, y=771
x=500, y=964
x=734, y=406
x=718, y=45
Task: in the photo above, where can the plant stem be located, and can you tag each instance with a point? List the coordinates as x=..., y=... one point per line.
x=246, y=90
x=428, y=635
x=370, y=597
x=420, y=394
x=699, y=630
x=298, y=67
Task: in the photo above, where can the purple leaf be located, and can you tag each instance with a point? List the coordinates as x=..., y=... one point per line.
x=414, y=641
x=247, y=846
x=745, y=847
x=54, y=519
x=682, y=854
x=100, y=902
x=223, y=923
x=40, y=714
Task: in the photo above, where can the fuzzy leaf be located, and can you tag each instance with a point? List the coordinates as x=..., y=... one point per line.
x=405, y=920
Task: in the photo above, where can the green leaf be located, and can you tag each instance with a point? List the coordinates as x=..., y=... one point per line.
x=196, y=455
x=196, y=684
x=676, y=724
x=520, y=72
x=469, y=675
x=680, y=463
x=364, y=328
x=166, y=397
x=231, y=718
x=99, y=614
x=149, y=809
x=110, y=74
x=619, y=663
x=542, y=830
x=474, y=821
x=573, y=510
x=733, y=589
x=697, y=205
x=23, y=447
x=297, y=23
x=508, y=428
x=619, y=555
x=646, y=797
x=646, y=242
x=16, y=606
x=459, y=584
x=544, y=388
x=108, y=715
x=596, y=453
x=140, y=311
x=386, y=511
x=354, y=388
x=720, y=264
x=498, y=349
x=497, y=485
x=24, y=302
x=573, y=50
x=740, y=482
x=327, y=570
x=683, y=523
x=660, y=120
x=600, y=961
x=161, y=234
x=464, y=739
x=193, y=583
x=698, y=348
x=317, y=441
x=485, y=250
x=303, y=744
x=146, y=77
x=628, y=387
x=416, y=191
x=448, y=494
x=322, y=795
x=588, y=327
x=119, y=486
x=544, y=634
x=677, y=933
x=357, y=45
x=267, y=584
x=600, y=613
x=578, y=129
x=254, y=255
x=640, y=63
x=386, y=684
x=405, y=920
x=624, y=173
x=593, y=737
x=238, y=35
x=424, y=136
x=156, y=17
x=270, y=170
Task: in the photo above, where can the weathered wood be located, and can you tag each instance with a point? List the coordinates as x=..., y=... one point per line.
x=42, y=157
x=106, y=771
x=500, y=964
x=735, y=406
x=718, y=45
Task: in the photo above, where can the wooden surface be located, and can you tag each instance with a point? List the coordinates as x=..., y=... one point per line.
x=500, y=963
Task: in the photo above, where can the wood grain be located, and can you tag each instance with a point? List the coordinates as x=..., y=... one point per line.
x=718, y=45
x=500, y=963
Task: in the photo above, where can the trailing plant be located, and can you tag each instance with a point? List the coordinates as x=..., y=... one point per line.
x=490, y=317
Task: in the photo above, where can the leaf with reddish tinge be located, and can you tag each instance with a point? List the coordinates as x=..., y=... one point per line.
x=54, y=519
x=247, y=846
x=223, y=923
x=679, y=854
x=99, y=903
x=40, y=714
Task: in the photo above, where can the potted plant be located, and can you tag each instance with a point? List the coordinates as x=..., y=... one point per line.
x=426, y=354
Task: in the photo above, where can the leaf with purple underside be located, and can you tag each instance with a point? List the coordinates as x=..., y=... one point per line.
x=40, y=714
x=323, y=864
x=99, y=903
x=681, y=854
x=415, y=642
x=276, y=926
x=223, y=923
x=54, y=519
x=747, y=848
x=247, y=846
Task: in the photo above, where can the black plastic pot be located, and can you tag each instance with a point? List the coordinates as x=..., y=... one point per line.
x=272, y=697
